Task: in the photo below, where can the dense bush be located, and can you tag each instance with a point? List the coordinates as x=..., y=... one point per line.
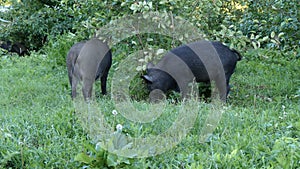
x=31, y=24
x=243, y=23
x=272, y=24
x=35, y=22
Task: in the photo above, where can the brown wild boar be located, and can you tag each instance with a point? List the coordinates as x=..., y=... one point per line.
x=88, y=61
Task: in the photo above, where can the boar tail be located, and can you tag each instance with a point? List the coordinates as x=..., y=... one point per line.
x=73, y=63
x=239, y=56
x=72, y=58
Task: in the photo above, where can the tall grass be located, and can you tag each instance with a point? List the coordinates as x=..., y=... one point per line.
x=40, y=127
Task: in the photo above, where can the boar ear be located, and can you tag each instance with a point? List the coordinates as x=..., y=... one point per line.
x=147, y=78
x=150, y=65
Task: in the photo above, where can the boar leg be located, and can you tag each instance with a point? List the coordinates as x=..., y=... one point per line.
x=103, y=82
x=227, y=84
x=221, y=85
x=228, y=90
x=74, y=83
x=87, y=88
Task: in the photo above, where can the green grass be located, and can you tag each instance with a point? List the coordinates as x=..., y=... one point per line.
x=259, y=129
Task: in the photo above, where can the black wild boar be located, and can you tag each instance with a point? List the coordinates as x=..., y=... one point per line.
x=88, y=61
x=201, y=61
x=17, y=47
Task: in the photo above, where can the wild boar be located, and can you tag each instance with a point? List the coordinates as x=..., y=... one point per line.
x=200, y=61
x=17, y=47
x=88, y=61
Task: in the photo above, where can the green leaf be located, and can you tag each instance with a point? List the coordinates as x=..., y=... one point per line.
x=273, y=41
x=83, y=158
x=273, y=34
x=254, y=45
x=280, y=34
x=119, y=140
x=112, y=160
x=124, y=160
x=265, y=38
x=255, y=21
x=149, y=39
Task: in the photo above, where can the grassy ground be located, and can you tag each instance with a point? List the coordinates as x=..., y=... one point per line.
x=259, y=129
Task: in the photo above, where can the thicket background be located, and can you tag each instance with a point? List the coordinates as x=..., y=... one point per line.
x=243, y=23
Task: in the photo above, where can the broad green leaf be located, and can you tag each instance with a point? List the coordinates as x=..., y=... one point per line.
x=82, y=157
x=112, y=160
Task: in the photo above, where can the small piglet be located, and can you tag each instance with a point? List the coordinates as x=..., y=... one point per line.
x=88, y=61
x=200, y=61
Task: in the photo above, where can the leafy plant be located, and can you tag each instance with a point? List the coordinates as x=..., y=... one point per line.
x=99, y=158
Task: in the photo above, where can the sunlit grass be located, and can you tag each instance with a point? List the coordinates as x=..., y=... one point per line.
x=40, y=127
